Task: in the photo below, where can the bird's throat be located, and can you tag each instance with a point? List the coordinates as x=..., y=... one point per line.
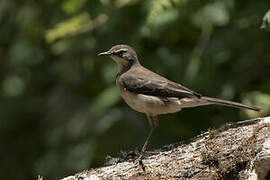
x=123, y=68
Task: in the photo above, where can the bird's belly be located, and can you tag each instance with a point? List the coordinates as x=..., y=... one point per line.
x=151, y=104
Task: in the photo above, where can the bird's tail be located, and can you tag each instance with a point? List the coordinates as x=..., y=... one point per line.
x=229, y=103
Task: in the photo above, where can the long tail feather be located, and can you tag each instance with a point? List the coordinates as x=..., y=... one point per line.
x=229, y=103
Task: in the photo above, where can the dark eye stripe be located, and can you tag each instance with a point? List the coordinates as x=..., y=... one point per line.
x=119, y=53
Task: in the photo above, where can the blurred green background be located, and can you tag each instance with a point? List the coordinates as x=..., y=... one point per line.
x=60, y=111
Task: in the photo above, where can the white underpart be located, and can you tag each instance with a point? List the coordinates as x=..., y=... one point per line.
x=153, y=105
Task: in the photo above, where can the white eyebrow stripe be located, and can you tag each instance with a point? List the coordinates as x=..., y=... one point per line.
x=119, y=50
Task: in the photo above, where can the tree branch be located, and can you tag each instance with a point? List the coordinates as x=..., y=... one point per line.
x=235, y=151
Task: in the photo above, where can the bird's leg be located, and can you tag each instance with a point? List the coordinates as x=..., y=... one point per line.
x=153, y=122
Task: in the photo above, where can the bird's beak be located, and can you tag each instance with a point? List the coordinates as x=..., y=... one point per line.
x=104, y=53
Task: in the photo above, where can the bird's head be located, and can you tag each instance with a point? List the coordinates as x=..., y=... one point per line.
x=123, y=55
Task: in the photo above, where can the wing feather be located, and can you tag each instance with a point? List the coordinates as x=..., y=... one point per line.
x=160, y=87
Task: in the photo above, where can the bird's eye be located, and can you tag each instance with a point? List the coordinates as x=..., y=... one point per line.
x=120, y=53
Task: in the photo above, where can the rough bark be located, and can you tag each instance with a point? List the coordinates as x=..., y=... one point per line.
x=235, y=151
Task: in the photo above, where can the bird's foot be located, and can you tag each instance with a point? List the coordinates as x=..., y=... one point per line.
x=142, y=155
x=140, y=162
x=140, y=158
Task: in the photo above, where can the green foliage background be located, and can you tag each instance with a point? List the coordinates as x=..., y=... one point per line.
x=60, y=111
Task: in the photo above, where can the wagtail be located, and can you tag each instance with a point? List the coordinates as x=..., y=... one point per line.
x=152, y=94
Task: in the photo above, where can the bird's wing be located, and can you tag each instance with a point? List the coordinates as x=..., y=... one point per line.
x=156, y=87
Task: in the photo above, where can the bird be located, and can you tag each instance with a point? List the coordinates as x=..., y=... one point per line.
x=152, y=94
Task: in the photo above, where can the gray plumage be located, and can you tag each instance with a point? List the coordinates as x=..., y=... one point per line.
x=152, y=94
